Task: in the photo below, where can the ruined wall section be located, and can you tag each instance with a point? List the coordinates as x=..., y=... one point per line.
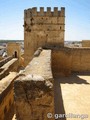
x=43, y=28
x=6, y=97
x=34, y=91
x=10, y=66
x=4, y=61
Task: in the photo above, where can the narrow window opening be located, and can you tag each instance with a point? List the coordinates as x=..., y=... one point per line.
x=15, y=54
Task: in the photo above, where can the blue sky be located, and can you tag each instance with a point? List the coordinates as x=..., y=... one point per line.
x=77, y=17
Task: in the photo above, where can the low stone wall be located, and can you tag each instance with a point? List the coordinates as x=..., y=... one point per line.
x=6, y=97
x=4, y=61
x=12, y=65
x=67, y=60
x=34, y=94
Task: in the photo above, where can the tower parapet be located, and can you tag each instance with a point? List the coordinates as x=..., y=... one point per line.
x=55, y=13
x=43, y=28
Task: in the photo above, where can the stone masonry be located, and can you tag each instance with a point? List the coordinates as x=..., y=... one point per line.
x=43, y=28
x=34, y=92
x=37, y=89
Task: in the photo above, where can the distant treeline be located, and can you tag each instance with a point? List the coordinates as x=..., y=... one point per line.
x=6, y=41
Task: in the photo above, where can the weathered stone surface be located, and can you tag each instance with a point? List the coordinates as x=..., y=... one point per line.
x=42, y=28
x=34, y=94
x=66, y=60
x=11, y=65
x=38, y=51
x=4, y=61
x=34, y=99
x=6, y=97
x=12, y=48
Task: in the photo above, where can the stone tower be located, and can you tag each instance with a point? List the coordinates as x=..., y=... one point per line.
x=14, y=49
x=43, y=28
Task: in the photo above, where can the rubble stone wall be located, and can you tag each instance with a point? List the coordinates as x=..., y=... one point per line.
x=10, y=66
x=7, y=97
x=4, y=61
x=34, y=93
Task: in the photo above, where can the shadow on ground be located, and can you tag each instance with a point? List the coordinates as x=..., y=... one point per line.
x=73, y=79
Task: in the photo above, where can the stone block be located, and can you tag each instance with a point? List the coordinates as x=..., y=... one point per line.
x=34, y=92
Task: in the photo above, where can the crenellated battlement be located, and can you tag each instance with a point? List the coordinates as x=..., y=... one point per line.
x=44, y=27
x=34, y=12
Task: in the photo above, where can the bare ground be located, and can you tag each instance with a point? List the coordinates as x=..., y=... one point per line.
x=72, y=95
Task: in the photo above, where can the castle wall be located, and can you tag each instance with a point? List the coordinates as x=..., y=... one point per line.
x=61, y=62
x=80, y=59
x=85, y=43
x=4, y=61
x=42, y=28
x=12, y=48
x=6, y=97
x=34, y=91
x=10, y=66
x=66, y=60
